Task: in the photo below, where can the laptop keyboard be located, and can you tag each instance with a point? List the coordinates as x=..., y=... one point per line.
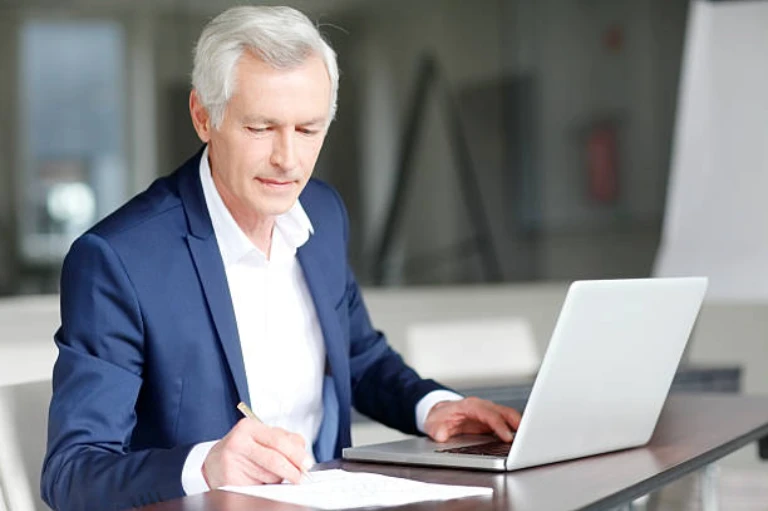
x=495, y=448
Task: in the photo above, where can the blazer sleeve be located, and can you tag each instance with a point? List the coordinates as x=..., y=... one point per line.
x=96, y=381
x=384, y=387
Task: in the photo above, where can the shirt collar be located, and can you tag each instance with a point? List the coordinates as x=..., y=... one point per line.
x=294, y=225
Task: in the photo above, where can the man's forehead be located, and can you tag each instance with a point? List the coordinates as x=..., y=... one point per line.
x=264, y=94
x=250, y=59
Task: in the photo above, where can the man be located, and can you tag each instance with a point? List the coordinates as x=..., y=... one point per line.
x=228, y=281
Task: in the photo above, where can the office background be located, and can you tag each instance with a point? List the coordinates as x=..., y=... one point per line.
x=94, y=108
x=489, y=152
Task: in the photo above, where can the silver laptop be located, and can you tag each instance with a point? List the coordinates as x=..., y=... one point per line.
x=601, y=385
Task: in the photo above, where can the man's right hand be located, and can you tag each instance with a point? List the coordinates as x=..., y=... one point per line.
x=254, y=453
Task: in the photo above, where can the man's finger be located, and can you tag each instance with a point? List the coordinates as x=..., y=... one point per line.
x=251, y=473
x=491, y=417
x=289, y=445
x=273, y=462
x=443, y=433
x=511, y=415
x=499, y=426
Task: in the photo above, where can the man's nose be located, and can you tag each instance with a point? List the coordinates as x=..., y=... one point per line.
x=284, y=150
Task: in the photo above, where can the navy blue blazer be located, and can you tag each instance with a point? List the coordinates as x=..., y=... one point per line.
x=149, y=356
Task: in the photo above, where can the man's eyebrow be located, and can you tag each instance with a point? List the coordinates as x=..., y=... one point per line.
x=316, y=120
x=249, y=119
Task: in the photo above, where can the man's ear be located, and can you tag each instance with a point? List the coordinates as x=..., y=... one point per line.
x=201, y=120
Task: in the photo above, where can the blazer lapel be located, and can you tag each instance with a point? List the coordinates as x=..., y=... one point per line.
x=313, y=258
x=210, y=270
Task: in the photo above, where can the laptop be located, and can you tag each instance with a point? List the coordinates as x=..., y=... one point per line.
x=601, y=386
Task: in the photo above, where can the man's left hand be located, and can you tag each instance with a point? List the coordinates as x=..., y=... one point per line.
x=473, y=416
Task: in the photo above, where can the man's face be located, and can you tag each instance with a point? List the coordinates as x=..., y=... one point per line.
x=264, y=151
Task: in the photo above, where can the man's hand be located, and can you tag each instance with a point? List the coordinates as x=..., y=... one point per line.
x=254, y=453
x=471, y=415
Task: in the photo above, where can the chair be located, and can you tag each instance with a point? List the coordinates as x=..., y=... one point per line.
x=29, y=317
x=23, y=431
x=472, y=349
x=27, y=350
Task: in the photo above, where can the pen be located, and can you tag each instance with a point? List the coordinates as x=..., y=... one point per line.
x=247, y=412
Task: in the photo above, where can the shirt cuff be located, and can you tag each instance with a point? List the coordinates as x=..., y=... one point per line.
x=192, y=480
x=425, y=404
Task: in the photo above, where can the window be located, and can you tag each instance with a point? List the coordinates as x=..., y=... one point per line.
x=73, y=162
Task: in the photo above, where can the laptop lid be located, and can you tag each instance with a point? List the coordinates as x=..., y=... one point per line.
x=608, y=368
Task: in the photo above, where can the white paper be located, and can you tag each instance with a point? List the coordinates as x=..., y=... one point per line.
x=339, y=489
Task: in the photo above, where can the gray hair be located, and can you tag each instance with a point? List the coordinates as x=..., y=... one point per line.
x=281, y=36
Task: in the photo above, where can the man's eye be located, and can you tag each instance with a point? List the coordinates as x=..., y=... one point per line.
x=257, y=129
x=307, y=131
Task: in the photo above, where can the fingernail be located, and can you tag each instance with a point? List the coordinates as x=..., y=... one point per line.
x=308, y=463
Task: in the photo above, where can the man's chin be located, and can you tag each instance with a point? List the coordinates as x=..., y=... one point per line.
x=278, y=207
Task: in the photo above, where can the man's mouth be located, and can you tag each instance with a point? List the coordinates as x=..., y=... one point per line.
x=275, y=183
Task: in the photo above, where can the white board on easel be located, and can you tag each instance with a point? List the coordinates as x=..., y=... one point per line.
x=716, y=221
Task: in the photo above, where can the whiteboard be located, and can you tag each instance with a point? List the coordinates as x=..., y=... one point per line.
x=716, y=221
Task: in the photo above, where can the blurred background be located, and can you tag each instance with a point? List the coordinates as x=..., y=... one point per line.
x=492, y=140
x=489, y=153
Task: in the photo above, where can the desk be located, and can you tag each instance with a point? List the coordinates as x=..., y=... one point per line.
x=694, y=430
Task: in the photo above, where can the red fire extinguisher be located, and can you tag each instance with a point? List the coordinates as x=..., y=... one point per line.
x=602, y=163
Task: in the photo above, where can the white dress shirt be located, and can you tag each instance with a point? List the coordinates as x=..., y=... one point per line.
x=280, y=336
